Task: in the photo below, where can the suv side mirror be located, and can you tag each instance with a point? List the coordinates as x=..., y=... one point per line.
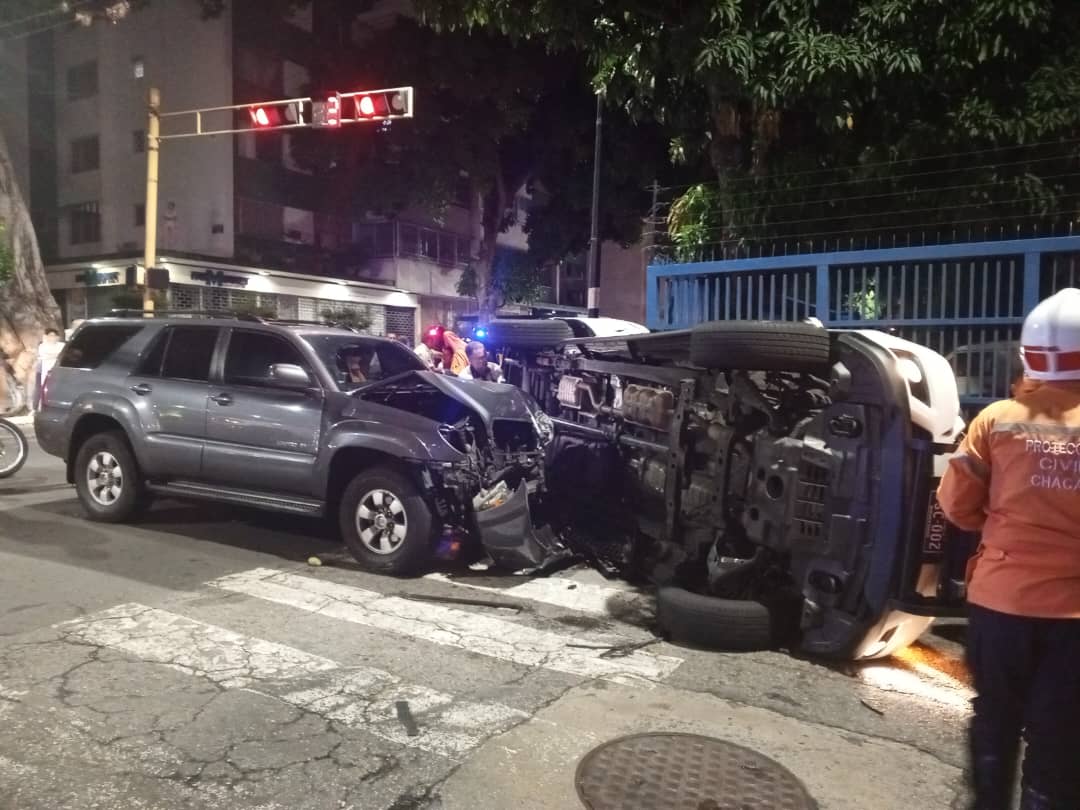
x=287, y=375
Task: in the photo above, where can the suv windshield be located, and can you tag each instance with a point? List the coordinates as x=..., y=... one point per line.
x=355, y=360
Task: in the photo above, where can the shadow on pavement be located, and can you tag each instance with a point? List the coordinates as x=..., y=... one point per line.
x=161, y=546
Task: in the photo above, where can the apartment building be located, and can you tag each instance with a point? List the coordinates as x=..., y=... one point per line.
x=240, y=223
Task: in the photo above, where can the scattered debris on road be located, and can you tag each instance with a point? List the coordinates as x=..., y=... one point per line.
x=405, y=715
x=617, y=650
x=462, y=600
x=872, y=708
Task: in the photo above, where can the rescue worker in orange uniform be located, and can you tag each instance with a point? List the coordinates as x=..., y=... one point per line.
x=1016, y=478
x=450, y=346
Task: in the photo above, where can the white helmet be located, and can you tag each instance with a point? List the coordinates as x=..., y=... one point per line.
x=1050, y=339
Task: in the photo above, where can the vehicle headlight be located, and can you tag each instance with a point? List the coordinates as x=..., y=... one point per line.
x=545, y=428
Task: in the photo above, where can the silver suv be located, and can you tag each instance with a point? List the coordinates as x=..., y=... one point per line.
x=296, y=417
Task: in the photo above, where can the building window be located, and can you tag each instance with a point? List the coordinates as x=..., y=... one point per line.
x=138, y=140
x=138, y=68
x=85, y=154
x=82, y=81
x=140, y=215
x=85, y=224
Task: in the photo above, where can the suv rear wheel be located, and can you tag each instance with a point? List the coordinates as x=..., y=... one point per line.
x=385, y=522
x=107, y=478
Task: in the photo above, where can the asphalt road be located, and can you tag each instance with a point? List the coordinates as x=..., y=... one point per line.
x=195, y=660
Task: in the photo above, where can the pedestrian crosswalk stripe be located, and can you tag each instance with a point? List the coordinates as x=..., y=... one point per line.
x=356, y=696
x=586, y=597
x=225, y=657
x=476, y=633
x=448, y=726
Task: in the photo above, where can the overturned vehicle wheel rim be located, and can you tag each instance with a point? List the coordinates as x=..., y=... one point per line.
x=381, y=521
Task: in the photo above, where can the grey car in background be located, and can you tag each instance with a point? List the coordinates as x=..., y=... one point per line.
x=300, y=418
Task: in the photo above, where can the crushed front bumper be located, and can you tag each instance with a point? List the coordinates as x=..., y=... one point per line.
x=508, y=535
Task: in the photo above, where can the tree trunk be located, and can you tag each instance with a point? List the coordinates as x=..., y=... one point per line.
x=27, y=307
x=487, y=215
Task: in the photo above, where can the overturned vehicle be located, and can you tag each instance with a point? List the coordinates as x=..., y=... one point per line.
x=775, y=480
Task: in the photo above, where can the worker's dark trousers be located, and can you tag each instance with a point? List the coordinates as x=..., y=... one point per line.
x=1027, y=679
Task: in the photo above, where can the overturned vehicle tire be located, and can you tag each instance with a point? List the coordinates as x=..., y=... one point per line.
x=661, y=346
x=527, y=334
x=760, y=346
x=724, y=624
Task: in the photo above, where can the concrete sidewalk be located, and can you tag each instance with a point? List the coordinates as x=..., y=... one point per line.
x=532, y=767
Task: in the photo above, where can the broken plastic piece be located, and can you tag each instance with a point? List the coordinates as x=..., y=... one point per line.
x=405, y=715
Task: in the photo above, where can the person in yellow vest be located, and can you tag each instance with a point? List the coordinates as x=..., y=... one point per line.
x=1016, y=478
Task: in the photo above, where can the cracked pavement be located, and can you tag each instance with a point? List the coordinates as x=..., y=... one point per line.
x=193, y=661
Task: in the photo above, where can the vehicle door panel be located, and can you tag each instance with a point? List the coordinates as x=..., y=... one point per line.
x=261, y=437
x=170, y=389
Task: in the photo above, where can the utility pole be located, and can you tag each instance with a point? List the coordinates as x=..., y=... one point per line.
x=593, y=273
x=153, y=148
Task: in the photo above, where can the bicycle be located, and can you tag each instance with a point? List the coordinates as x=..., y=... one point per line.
x=13, y=448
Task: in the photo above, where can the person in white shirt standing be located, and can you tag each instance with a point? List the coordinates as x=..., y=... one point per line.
x=479, y=368
x=48, y=350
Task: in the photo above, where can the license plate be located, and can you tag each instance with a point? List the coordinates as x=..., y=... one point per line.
x=936, y=526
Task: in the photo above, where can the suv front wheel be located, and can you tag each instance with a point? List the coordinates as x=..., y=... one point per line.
x=107, y=478
x=385, y=522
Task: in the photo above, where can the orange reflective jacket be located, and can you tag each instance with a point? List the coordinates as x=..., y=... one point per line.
x=454, y=357
x=1016, y=477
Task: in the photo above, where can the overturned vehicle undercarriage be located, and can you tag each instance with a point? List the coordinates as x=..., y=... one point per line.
x=774, y=479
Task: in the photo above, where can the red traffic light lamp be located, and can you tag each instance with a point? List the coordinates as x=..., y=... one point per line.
x=264, y=116
x=378, y=105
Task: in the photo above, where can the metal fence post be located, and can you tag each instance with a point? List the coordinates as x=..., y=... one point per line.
x=1032, y=270
x=821, y=295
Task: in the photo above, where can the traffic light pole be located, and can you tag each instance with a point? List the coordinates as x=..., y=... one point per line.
x=153, y=153
x=371, y=106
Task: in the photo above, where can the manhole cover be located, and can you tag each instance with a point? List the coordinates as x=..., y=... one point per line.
x=685, y=772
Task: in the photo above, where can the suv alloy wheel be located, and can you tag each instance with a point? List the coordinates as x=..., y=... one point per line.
x=107, y=478
x=385, y=522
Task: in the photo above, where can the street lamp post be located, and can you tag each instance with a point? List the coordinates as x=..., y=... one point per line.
x=594, y=226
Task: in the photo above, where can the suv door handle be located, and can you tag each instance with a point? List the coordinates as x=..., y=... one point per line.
x=222, y=399
x=142, y=389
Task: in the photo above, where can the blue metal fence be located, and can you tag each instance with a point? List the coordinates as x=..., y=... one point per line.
x=966, y=301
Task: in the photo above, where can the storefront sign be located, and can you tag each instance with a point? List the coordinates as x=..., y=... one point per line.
x=94, y=278
x=218, y=278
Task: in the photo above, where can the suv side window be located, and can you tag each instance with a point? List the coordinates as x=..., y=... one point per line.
x=94, y=344
x=250, y=355
x=187, y=354
x=150, y=363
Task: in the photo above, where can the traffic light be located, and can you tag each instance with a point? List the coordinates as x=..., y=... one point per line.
x=326, y=113
x=264, y=117
x=377, y=105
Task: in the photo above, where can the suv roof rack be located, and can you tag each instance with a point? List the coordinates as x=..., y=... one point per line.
x=172, y=313
x=225, y=314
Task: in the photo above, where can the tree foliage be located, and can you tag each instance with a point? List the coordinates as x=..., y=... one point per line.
x=492, y=114
x=762, y=92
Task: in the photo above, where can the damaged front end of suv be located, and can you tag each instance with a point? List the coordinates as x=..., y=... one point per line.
x=477, y=451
